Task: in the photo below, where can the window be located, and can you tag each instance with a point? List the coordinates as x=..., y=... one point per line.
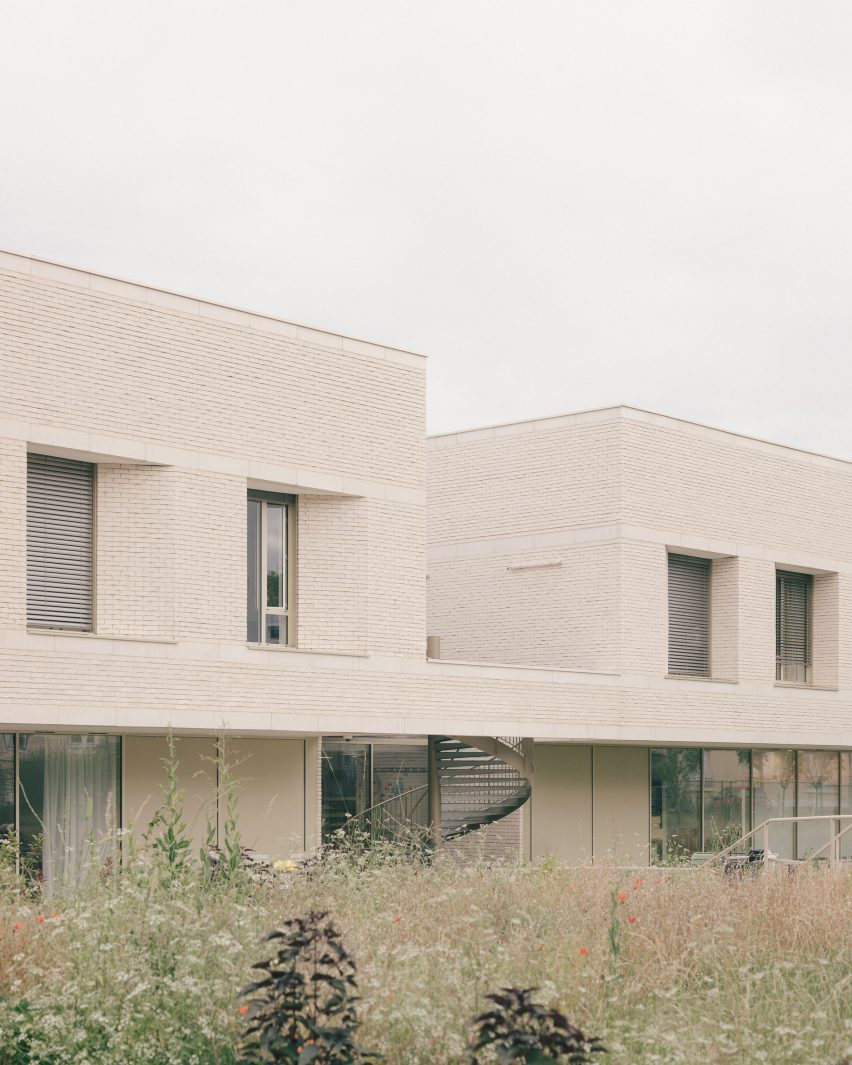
x=743, y=788
x=689, y=615
x=793, y=595
x=63, y=796
x=382, y=786
x=60, y=502
x=675, y=802
x=271, y=585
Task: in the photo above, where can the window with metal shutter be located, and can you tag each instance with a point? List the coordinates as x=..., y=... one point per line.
x=689, y=615
x=60, y=498
x=793, y=627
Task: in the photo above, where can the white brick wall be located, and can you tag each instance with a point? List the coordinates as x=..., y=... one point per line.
x=13, y=533
x=92, y=370
x=332, y=569
x=101, y=371
x=93, y=361
x=135, y=551
x=626, y=487
x=562, y=615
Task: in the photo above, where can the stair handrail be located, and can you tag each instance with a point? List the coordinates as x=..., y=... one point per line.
x=764, y=828
x=497, y=748
x=834, y=841
x=384, y=802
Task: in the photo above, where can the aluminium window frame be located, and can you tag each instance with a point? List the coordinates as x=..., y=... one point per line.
x=708, y=561
x=74, y=630
x=780, y=572
x=290, y=612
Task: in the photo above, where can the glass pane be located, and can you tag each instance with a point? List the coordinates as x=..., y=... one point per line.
x=345, y=784
x=726, y=797
x=818, y=794
x=400, y=785
x=7, y=783
x=846, y=800
x=675, y=802
x=253, y=573
x=274, y=555
x=774, y=786
x=69, y=804
x=276, y=629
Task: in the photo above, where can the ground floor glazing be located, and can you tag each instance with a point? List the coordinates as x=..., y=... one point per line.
x=67, y=795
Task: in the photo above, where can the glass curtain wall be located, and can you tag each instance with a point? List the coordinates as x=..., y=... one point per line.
x=387, y=779
x=726, y=797
x=846, y=799
x=675, y=801
x=706, y=800
x=774, y=795
x=345, y=784
x=818, y=793
x=8, y=818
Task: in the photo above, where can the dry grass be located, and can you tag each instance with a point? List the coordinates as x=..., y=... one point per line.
x=710, y=969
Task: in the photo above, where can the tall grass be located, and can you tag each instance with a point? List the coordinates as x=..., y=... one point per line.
x=666, y=966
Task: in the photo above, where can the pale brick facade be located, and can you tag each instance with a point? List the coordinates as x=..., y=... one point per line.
x=551, y=551
x=546, y=557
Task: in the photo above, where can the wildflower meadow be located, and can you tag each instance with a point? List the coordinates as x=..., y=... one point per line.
x=149, y=964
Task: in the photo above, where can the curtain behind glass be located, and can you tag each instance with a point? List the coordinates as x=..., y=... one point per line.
x=80, y=806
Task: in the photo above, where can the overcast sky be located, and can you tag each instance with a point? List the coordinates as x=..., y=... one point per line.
x=565, y=205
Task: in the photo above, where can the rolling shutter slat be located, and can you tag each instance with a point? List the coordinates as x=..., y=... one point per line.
x=60, y=499
x=792, y=626
x=689, y=615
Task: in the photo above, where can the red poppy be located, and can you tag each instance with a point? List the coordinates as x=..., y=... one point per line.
x=631, y=920
x=622, y=896
x=398, y=918
x=637, y=883
x=55, y=916
x=584, y=951
x=17, y=925
x=40, y=918
x=244, y=1010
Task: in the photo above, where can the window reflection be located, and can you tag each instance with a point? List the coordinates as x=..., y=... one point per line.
x=675, y=801
x=274, y=555
x=252, y=583
x=726, y=797
x=774, y=787
x=818, y=793
x=345, y=784
x=7, y=784
x=846, y=800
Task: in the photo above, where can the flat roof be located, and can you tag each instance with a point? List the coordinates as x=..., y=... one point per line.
x=622, y=411
x=142, y=292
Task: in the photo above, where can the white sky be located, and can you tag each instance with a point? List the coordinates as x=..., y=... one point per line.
x=563, y=204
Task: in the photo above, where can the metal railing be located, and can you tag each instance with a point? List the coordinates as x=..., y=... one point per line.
x=763, y=829
x=387, y=818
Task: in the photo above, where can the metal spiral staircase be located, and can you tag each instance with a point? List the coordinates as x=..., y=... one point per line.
x=475, y=781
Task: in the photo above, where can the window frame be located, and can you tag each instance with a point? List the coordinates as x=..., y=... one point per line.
x=707, y=564
x=808, y=581
x=90, y=469
x=289, y=612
